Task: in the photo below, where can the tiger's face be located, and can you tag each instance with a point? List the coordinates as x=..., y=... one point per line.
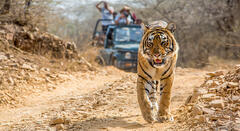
x=158, y=46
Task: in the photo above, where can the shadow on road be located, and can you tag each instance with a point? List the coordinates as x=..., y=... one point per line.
x=107, y=123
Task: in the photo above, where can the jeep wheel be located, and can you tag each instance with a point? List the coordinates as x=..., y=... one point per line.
x=114, y=62
x=100, y=60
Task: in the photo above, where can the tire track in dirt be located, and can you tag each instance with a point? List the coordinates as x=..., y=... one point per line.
x=109, y=103
x=79, y=84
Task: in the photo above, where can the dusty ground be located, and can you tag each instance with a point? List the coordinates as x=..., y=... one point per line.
x=99, y=100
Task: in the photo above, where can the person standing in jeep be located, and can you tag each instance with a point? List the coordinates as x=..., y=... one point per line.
x=107, y=13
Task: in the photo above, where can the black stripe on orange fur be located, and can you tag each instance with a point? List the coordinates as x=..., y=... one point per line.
x=150, y=83
x=167, y=76
x=167, y=69
x=145, y=71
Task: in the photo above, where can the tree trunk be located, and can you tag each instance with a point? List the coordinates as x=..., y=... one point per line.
x=27, y=6
x=27, y=3
x=6, y=7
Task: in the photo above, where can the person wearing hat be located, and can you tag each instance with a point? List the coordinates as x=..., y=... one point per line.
x=124, y=17
x=107, y=13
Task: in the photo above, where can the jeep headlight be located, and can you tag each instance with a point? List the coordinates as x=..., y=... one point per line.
x=127, y=55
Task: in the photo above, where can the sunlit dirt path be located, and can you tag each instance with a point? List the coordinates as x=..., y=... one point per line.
x=104, y=100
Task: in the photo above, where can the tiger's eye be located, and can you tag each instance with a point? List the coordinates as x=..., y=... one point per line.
x=164, y=43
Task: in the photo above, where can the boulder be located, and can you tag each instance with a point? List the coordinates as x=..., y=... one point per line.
x=57, y=120
x=59, y=127
x=196, y=110
x=217, y=103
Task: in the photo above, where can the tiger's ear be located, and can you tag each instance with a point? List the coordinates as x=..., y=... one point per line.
x=171, y=27
x=145, y=27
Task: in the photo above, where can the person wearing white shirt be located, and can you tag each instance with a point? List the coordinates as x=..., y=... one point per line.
x=107, y=13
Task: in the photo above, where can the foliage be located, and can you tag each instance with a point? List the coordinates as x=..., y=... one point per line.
x=27, y=12
x=204, y=28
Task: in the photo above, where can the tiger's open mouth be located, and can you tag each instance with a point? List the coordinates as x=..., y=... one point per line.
x=159, y=62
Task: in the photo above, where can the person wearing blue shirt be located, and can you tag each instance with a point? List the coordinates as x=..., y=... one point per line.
x=124, y=17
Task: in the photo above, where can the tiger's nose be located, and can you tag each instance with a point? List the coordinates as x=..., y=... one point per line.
x=156, y=55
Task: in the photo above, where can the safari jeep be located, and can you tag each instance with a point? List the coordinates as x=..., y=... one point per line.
x=121, y=46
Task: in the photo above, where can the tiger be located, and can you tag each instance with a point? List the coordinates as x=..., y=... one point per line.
x=157, y=57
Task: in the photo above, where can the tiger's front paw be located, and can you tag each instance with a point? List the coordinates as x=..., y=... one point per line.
x=165, y=118
x=149, y=119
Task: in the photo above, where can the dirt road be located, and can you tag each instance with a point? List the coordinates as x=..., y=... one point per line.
x=102, y=100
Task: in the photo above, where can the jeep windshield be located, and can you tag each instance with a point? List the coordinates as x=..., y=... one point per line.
x=126, y=35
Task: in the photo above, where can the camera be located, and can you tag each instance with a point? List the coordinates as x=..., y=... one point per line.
x=125, y=14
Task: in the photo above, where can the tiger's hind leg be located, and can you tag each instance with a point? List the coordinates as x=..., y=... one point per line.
x=165, y=98
x=146, y=94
